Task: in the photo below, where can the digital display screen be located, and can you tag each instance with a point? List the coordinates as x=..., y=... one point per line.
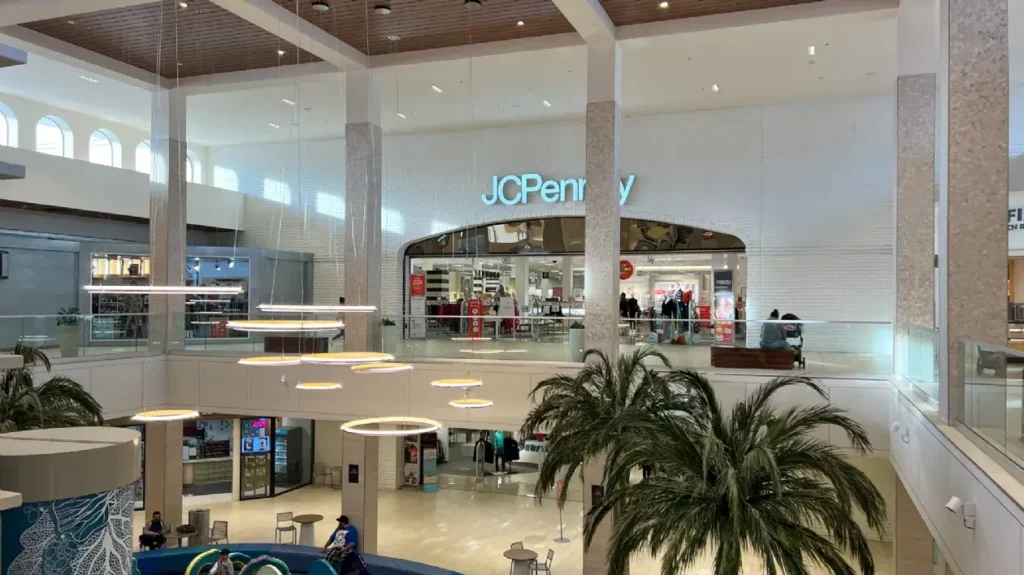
x=255, y=444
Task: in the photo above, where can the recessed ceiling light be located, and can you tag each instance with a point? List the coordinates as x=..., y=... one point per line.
x=72, y=22
x=810, y=50
x=183, y=4
x=321, y=6
x=663, y=5
x=382, y=9
x=90, y=80
x=273, y=125
x=547, y=104
x=394, y=38
x=714, y=87
x=436, y=89
x=472, y=4
x=287, y=101
x=520, y=23
x=401, y=115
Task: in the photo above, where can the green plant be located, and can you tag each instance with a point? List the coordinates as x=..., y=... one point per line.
x=67, y=316
x=576, y=325
x=579, y=413
x=387, y=321
x=755, y=480
x=60, y=402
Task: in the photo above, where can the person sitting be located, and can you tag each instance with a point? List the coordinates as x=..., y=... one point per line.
x=341, y=549
x=773, y=336
x=224, y=566
x=153, y=535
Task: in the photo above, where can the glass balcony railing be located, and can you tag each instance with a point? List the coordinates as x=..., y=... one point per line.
x=81, y=335
x=993, y=391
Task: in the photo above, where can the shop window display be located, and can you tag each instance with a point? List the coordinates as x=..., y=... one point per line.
x=277, y=455
x=206, y=316
x=207, y=456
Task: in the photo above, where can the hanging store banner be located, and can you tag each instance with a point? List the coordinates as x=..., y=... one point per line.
x=476, y=322
x=417, y=285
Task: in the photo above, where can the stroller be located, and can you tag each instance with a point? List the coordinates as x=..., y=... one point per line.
x=795, y=331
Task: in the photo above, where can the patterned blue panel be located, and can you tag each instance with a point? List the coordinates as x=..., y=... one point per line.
x=89, y=535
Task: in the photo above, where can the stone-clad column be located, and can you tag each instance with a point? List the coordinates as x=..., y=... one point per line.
x=362, y=209
x=601, y=251
x=602, y=235
x=359, y=486
x=167, y=226
x=973, y=197
x=915, y=189
x=163, y=477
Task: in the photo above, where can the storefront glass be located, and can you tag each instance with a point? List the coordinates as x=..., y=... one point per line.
x=119, y=317
x=293, y=453
x=207, y=456
x=256, y=480
x=207, y=316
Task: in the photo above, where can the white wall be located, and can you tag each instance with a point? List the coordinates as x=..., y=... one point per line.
x=808, y=186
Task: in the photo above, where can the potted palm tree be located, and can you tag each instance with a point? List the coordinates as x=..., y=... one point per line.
x=580, y=413
x=576, y=342
x=69, y=332
x=391, y=336
x=752, y=481
x=60, y=402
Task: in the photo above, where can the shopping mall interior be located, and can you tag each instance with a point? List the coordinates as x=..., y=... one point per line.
x=537, y=286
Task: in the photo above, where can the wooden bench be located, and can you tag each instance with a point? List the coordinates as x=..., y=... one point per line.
x=751, y=358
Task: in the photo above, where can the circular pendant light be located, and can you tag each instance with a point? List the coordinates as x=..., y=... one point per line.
x=381, y=367
x=271, y=360
x=298, y=308
x=411, y=426
x=457, y=383
x=471, y=403
x=206, y=290
x=347, y=357
x=166, y=415
x=285, y=325
x=318, y=385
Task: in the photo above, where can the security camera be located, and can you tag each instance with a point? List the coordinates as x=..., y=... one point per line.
x=955, y=504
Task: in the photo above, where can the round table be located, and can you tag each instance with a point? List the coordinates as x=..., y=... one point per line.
x=183, y=532
x=306, y=528
x=521, y=560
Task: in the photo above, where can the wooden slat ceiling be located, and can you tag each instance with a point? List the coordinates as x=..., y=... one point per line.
x=203, y=38
x=426, y=24
x=625, y=12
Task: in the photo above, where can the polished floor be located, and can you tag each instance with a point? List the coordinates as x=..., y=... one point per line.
x=463, y=531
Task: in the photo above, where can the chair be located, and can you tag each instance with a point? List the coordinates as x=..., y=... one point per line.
x=516, y=545
x=285, y=525
x=219, y=532
x=321, y=470
x=544, y=567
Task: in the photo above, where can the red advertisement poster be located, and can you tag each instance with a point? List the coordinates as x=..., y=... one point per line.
x=704, y=315
x=417, y=285
x=476, y=323
x=625, y=270
x=556, y=292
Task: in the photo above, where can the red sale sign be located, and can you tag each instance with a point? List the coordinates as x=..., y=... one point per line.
x=476, y=322
x=417, y=285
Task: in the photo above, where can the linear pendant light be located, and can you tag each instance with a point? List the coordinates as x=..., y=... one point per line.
x=347, y=357
x=270, y=360
x=284, y=325
x=297, y=308
x=169, y=290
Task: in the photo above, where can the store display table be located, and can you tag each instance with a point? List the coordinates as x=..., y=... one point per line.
x=306, y=523
x=521, y=560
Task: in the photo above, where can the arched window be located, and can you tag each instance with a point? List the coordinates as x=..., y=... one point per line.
x=144, y=157
x=54, y=137
x=8, y=127
x=188, y=169
x=193, y=168
x=105, y=148
x=225, y=178
x=277, y=191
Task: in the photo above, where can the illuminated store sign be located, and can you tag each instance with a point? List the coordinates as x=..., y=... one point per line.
x=512, y=189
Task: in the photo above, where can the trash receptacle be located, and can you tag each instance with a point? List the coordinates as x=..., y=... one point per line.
x=200, y=519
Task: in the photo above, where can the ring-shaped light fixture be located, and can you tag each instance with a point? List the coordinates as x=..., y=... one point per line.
x=457, y=383
x=381, y=367
x=471, y=403
x=318, y=385
x=417, y=425
x=166, y=415
x=299, y=308
x=347, y=357
x=284, y=325
x=205, y=290
x=271, y=360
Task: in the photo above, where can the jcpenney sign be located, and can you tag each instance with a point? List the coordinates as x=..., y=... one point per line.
x=513, y=189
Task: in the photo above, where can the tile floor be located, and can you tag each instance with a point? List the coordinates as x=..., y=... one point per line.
x=460, y=530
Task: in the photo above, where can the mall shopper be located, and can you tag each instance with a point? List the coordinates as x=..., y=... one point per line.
x=153, y=534
x=224, y=566
x=773, y=335
x=341, y=550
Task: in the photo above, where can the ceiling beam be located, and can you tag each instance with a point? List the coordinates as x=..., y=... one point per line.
x=252, y=79
x=589, y=19
x=53, y=49
x=477, y=50
x=293, y=29
x=15, y=12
